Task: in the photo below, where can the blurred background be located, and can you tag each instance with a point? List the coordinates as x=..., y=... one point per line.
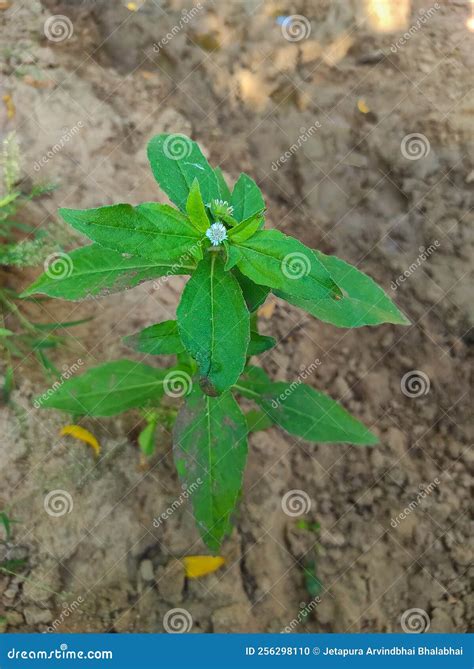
x=356, y=120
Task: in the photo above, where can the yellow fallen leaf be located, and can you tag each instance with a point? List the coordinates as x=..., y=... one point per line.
x=38, y=83
x=266, y=311
x=362, y=107
x=132, y=6
x=82, y=434
x=199, y=565
x=9, y=105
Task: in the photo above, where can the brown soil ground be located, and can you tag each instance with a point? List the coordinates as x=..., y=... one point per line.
x=230, y=79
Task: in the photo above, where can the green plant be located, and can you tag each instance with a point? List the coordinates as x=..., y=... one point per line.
x=9, y=565
x=7, y=523
x=12, y=198
x=218, y=237
x=21, y=245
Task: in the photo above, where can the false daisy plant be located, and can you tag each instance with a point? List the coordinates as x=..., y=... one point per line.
x=216, y=235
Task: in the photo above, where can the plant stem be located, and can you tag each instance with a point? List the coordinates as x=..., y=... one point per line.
x=11, y=306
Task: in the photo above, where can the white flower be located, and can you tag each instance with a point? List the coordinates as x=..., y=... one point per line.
x=216, y=233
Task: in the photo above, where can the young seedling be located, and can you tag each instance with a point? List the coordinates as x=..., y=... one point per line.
x=218, y=237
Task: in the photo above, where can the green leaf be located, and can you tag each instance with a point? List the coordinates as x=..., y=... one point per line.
x=246, y=229
x=160, y=339
x=46, y=363
x=48, y=327
x=5, y=333
x=151, y=230
x=210, y=452
x=257, y=420
x=6, y=522
x=260, y=343
x=107, y=389
x=305, y=412
x=224, y=191
x=175, y=162
x=256, y=375
x=8, y=384
x=93, y=271
x=13, y=566
x=273, y=259
x=254, y=294
x=312, y=583
x=196, y=209
x=246, y=198
x=233, y=256
x=364, y=302
x=147, y=437
x=213, y=323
